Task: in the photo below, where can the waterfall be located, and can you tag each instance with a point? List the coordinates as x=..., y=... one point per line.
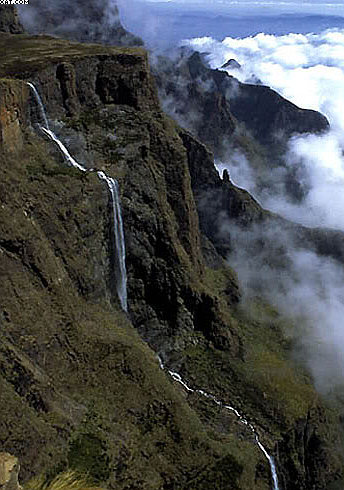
x=119, y=238
x=242, y=419
x=40, y=104
x=112, y=184
x=69, y=159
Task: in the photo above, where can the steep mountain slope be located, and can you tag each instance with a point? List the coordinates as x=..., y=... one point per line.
x=230, y=116
x=193, y=88
x=78, y=385
x=222, y=205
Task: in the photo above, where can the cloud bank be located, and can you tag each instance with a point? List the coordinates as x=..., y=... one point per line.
x=309, y=71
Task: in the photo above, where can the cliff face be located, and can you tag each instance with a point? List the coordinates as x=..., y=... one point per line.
x=267, y=116
x=219, y=201
x=92, y=21
x=192, y=87
x=78, y=385
x=12, y=114
x=9, y=21
x=231, y=117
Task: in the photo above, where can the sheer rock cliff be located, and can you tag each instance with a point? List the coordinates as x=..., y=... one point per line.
x=78, y=385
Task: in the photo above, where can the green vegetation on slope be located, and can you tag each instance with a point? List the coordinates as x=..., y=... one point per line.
x=79, y=388
x=23, y=54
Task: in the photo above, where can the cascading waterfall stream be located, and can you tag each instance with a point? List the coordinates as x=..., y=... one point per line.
x=122, y=282
x=69, y=159
x=40, y=104
x=242, y=419
x=112, y=184
x=119, y=238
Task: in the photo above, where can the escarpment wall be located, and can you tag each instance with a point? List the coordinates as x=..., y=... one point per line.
x=78, y=386
x=72, y=368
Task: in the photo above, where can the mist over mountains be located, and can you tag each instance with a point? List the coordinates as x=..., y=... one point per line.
x=94, y=21
x=308, y=70
x=302, y=179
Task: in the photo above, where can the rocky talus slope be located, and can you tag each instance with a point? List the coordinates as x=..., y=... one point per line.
x=78, y=385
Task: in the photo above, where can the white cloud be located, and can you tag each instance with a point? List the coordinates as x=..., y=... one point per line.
x=309, y=71
x=239, y=170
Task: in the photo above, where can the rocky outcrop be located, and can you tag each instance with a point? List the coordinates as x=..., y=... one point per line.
x=92, y=21
x=268, y=115
x=12, y=114
x=9, y=20
x=222, y=205
x=218, y=201
x=238, y=121
x=193, y=102
x=73, y=74
x=231, y=64
x=192, y=88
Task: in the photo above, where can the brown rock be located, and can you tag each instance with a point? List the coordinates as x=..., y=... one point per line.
x=66, y=74
x=13, y=97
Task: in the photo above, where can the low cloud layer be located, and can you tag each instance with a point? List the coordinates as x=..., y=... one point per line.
x=303, y=286
x=309, y=71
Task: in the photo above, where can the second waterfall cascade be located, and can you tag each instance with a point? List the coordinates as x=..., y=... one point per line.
x=122, y=279
x=112, y=184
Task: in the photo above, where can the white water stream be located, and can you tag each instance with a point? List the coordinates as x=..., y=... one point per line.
x=119, y=238
x=112, y=184
x=243, y=420
x=40, y=104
